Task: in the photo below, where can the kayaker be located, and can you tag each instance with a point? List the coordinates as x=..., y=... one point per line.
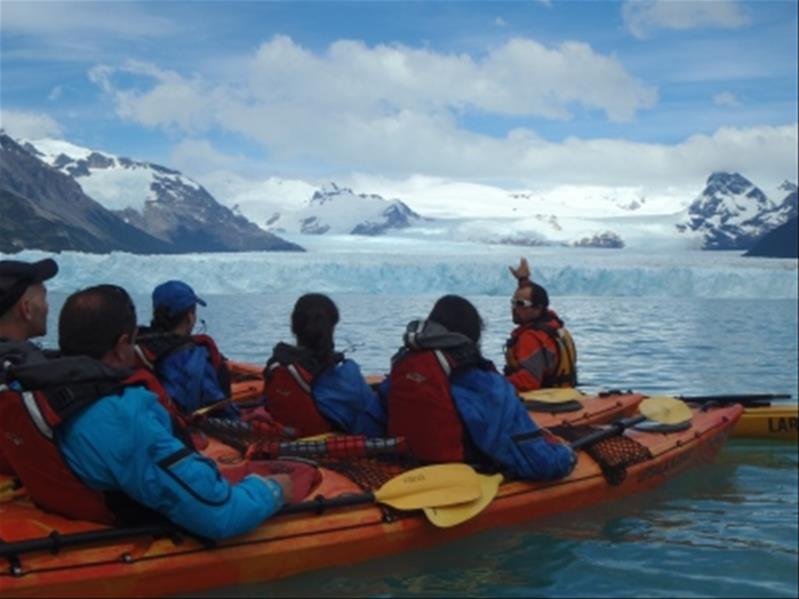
x=23, y=312
x=312, y=387
x=23, y=298
x=451, y=404
x=91, y=440
x=540, y=351
x=191, y=368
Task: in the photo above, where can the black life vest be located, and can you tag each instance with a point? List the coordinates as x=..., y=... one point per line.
x=420, y=403
x=29, y=420
x=153, y=346
x=288, y=385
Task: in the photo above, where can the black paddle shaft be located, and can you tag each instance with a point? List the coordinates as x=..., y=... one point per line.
x=56, y=541
x=613, y=429
x=745, y=399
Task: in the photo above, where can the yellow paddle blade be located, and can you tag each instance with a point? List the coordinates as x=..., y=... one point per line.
x=665, y=410
x=414, y=500
x=439, y=484
x=555, y=395
x=211, y=407
x=451, y=515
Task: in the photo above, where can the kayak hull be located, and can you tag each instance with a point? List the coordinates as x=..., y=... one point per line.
x=287, y=545
x=777, y=421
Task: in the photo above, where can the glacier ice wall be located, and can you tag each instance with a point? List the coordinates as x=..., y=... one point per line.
x=409, y=270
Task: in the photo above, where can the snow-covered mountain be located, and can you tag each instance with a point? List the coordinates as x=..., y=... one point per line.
x=157, y=200
x=732, y=213
x=283, y=206
x=42, y=208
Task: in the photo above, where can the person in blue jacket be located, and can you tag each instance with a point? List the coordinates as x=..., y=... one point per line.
x=124, y=440
x=312, y=387
x=451, y=404
x=190, y=367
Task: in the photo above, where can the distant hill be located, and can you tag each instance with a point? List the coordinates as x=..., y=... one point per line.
x=44, y=209
x=782, y=242
x=156, y=200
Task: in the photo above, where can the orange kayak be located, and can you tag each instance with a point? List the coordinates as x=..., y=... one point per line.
x=548, y=407
x=142, y=564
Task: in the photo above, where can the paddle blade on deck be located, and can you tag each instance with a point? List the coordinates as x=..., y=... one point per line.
x=665, y=410
x=439, y=484
x=555, y=395
x=452, y=515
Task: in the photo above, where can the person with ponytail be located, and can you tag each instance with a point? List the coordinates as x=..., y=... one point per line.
x=190, y=367
x=312, y=387
x=452, y=405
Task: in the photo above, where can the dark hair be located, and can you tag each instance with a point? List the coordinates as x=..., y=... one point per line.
x=458, y=315
x=93, y=319
x=539, y=296
x=165, y=322
x=312, y=321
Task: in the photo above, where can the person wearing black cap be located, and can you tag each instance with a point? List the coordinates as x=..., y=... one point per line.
x=540, y=352
x=23, y=298
x=190, y=367
x=23, y=314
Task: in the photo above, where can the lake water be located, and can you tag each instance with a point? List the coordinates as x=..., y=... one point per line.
x=697, y=323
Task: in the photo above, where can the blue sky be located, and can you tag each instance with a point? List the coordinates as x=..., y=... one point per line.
x=644, y=92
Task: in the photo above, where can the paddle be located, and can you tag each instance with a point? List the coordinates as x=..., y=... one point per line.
x=752, y=399
x=446, y=516
x=428, y=486
x=554, y=395
x=663, y=410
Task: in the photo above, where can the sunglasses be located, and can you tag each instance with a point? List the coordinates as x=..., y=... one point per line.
x=521, y=303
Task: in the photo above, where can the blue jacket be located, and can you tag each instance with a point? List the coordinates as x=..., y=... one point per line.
x=493, y=415
x=125, y=442
x=191, y=380
x=345, y=399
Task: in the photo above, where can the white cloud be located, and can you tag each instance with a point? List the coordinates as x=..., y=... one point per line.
x=500, y=22
x=195, y=156
x=55, y=93
x=57, y=18
x=346, y=103
x=30, y=125
x=726, y=99
x=641, y=17
x=394, y=110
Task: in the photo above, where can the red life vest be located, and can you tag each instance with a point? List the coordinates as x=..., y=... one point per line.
x=28, y=421
x=288, y=389
x=152, y=347
x=421, y=408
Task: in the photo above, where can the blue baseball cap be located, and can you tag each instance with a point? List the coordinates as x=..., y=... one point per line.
x=175, y=295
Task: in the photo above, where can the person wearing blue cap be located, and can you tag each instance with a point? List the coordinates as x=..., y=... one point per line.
x=190, y=367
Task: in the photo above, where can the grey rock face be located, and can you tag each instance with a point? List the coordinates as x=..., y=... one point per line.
x=607, y=239
x=397, y=216
x=43, y=208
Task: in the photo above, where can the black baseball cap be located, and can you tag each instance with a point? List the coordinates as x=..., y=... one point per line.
x=17, y=276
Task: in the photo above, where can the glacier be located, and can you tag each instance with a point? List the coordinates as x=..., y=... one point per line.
x=407, y=266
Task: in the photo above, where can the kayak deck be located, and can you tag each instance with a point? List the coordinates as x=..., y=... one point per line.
x=290, y=544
